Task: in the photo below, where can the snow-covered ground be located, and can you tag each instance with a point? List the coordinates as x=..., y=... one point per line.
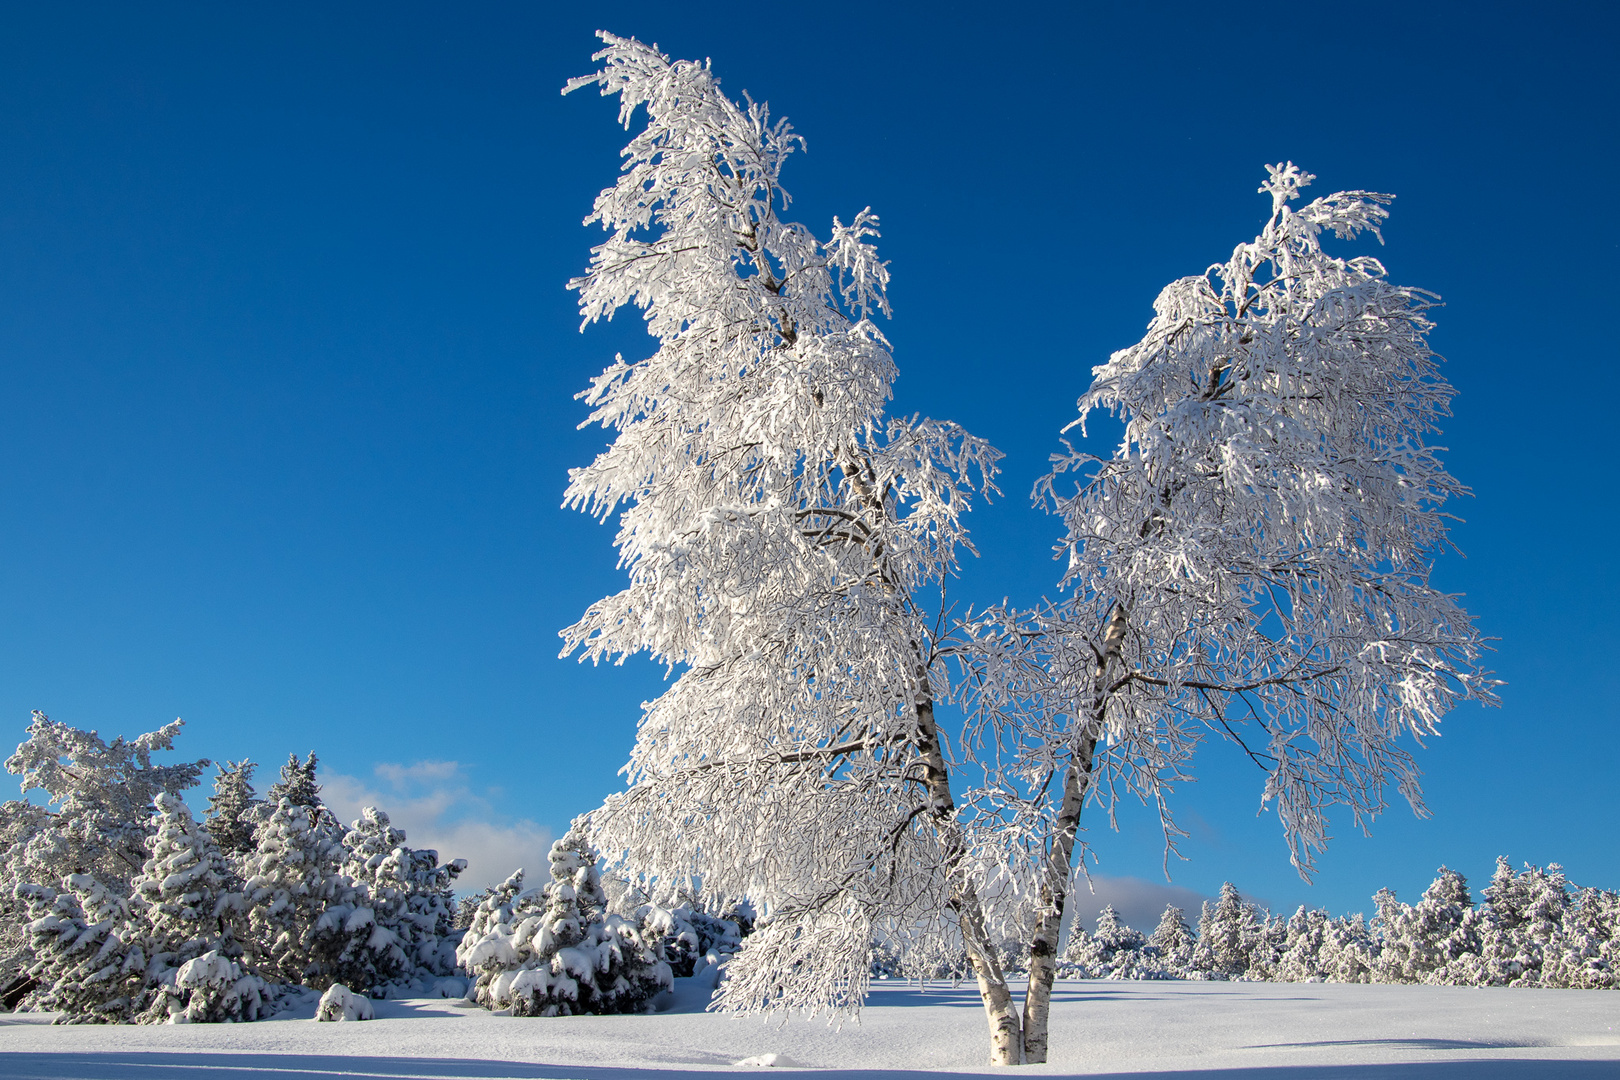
x=1230, y=1031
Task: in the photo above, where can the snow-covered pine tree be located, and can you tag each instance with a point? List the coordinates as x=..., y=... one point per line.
x=408, y=893
x=1173, y=941
x=1254, y=558
x=687, y=937
x=1270, y=941
x=102, y=796
x=1111, y=951
x=1348, y=951
x=777, y=529
x=290, y=881
x=297, y=785
x=487, y=951
x=231, y=816
x=1427, y=942
x=1588, y=956
x=187, y=910
x=1227, y=932
x=82, y=966
x=1301, y=959
x=570, y=957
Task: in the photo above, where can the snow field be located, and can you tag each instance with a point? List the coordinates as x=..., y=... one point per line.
x=1230, y=1031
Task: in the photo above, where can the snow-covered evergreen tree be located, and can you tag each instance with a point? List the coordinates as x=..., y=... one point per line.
x=1348, y=951
x=1588, y=953
x=1301, y=958
x=567, y=954
x=1173, y=941
x=83, y=964
x=101, y=796
x=290, y=881
x=1429, y=941
x=1227, y=932
x=778, y=530
x=298, y=786
x=231, y=816
x=408, y=894
x=1266, y=954
x=1111, y=951
x=187, y=906
x=687, y=937
x=488, y=951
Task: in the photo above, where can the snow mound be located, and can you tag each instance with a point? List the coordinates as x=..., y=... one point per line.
x=341, y=1003
x=766, y=1061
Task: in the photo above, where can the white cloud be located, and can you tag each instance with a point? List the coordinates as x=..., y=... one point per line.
x=436, y=805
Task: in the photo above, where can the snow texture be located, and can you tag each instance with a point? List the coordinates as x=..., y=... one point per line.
x=1217, y=1031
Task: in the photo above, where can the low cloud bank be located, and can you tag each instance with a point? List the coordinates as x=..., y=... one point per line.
x=437, y=806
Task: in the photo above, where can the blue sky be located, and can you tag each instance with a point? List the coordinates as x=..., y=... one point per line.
x=287, y=364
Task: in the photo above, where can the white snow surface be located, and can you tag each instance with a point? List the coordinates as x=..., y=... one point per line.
x=1218, y=1031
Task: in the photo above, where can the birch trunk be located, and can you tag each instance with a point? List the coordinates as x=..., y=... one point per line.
x=1006, y=1034
x=1055, y=886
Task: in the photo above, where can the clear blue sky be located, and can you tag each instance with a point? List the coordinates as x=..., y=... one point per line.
x=287, y=365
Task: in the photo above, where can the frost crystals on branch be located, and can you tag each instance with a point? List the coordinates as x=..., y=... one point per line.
x=776, y=529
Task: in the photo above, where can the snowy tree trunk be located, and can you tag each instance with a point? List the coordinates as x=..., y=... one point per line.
x=1006, y=1036
x=1055, y=886
x=1043, y=944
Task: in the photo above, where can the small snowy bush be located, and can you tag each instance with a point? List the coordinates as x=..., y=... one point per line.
x=340, y=1003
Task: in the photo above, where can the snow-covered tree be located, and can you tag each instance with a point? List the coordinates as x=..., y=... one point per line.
x=1301, y=959
x=487, y=950
x=1266, y=954
x=290, y=881
x=1227, y=932
x=100, y=796
x=1253, y=561
x=778, y=530
x=187, y=910
x=1111, y=951
x=1173, y=941
x=1587, y=956
x=565, y=954
x=406, y=890
x=1429, y=941
x=297, y=785
x=231, y=815
x=84, y=965
x=687, y=937
x=1348, y=951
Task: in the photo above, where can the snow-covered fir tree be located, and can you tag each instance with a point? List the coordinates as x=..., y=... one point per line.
x=1172, y=940
x=1111, y=951
x=1426, y=942
x=1301, y=958
x=1588, y=953
x=290, y=880
x=562, y=953
x=232, y=808
x=1270, y=942
x=298, y=786
x=1348, y=951
x=1227, y=932
x=187, y=907
x=779, y=532
x=407, y=891
x=83, y=963
x=688, y=938
x=487, y=950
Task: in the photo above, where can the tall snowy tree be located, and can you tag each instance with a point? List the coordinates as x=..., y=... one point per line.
x=230, y=816
x=778, y=531
x=1254, y=560
x=1227, y=933
x=188, y=908
x=290, y=881
x=100, y=795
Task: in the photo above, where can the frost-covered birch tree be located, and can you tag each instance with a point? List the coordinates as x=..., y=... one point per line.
x=778, y=530
x=1253, y=561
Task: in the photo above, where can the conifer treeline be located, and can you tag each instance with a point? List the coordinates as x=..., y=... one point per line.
x=1532, y=928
